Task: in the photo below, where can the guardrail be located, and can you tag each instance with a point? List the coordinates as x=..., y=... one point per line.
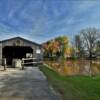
x=26, y=61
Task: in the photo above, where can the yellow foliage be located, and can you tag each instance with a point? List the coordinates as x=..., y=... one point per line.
x=69, y=51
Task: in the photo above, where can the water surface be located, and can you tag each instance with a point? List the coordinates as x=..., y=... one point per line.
x=77, y=67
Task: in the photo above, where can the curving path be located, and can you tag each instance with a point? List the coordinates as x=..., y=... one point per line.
x=28, y=84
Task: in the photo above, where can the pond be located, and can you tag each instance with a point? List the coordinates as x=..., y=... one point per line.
x=76, y=67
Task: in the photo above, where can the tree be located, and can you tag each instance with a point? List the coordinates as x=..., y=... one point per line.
x=56, y=47
x=51, y=48
x=89, y=37
x=98, y=48
x=48, y=49
x=63, y=43
x=69, y=51
x=98, y=45
x=78, y=46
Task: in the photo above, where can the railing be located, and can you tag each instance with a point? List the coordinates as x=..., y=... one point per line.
x=27, y=61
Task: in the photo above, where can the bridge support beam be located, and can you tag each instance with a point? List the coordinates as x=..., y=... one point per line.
x=0, y=53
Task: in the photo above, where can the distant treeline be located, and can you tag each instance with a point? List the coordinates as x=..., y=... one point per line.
x=86, y=44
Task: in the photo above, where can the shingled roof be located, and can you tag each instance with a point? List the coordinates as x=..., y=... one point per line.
x=20, y=39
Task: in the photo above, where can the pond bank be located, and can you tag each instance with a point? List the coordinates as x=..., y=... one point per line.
x=74, y=87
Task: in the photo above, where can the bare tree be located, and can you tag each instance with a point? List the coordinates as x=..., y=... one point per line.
x=89, y=37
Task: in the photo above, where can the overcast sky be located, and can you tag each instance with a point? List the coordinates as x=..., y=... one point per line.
x=41, y=20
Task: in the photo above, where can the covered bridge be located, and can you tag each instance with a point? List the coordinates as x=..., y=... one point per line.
x=18, y=48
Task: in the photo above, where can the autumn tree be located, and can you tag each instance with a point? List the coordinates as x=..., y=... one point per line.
x=78, y=46
x=48, y=48
x=63, y=43
x=51, y=48
x=69, y=52
x=56, y=47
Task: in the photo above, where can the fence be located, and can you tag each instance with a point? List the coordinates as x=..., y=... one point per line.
x=28, y=61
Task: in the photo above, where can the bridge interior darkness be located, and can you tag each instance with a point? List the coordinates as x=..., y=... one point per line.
x=11, y=52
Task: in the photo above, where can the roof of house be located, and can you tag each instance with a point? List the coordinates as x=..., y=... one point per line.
x=20, y=39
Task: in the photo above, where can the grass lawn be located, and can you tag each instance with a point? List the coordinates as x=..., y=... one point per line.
x=74, y=87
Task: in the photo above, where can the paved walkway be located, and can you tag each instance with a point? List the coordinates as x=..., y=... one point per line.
x=28, y=84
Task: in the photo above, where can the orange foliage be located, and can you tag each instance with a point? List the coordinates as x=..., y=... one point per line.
x=54, y=46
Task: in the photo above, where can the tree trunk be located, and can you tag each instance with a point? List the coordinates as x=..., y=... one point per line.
x=90, y=55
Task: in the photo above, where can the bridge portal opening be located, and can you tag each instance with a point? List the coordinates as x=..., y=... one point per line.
x=15, y=52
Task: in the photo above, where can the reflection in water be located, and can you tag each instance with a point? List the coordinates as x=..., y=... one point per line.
x=79, y=67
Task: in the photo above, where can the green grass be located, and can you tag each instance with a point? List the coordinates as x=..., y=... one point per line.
x=74, y=87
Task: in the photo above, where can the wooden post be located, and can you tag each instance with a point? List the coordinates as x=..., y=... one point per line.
x=5, y=63
x=0, y=53
x=22, y=63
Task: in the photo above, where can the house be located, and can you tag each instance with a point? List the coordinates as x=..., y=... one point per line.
x=18, y=48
